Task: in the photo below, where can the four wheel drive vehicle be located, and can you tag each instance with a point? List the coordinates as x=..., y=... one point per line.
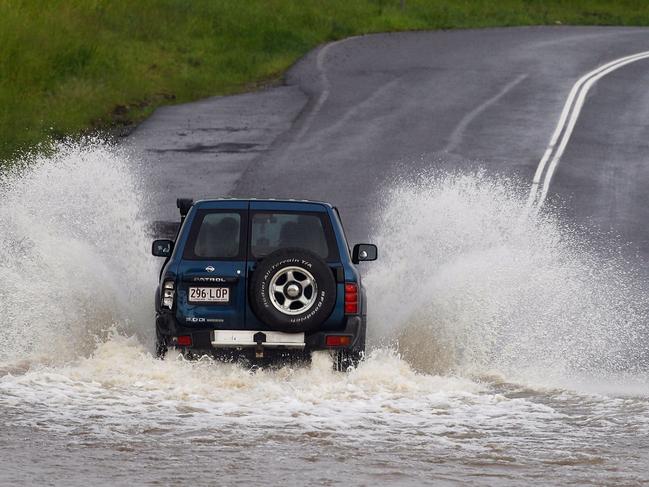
x=262, y=279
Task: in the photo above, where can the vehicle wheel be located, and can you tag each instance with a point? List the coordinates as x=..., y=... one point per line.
x=345, y=360
x=160, y=344
x=292, y=290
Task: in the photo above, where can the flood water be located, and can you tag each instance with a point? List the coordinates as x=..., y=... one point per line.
x=506, y=348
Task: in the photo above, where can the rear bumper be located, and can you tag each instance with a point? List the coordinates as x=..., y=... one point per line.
x=205, y=341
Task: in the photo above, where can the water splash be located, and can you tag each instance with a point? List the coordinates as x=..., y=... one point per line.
x=75, y=253
x=470, y=281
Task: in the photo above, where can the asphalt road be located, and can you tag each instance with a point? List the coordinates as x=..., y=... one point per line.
x=355, y=114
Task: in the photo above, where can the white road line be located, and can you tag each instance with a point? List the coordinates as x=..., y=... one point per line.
x=368, y=103
x=569, y=115
x=320, y=61
x=456, y=137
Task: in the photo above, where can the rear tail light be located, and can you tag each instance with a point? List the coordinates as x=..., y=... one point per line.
x=168, y=292
x=338, y=340
x=184, y=340
x=351, y=299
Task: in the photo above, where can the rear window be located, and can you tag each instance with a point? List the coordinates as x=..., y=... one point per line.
x=274, y=230
x=215, y=235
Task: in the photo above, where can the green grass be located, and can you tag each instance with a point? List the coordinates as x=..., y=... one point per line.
x=69, y=66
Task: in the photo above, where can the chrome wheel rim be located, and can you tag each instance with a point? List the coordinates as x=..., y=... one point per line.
x=293, y=290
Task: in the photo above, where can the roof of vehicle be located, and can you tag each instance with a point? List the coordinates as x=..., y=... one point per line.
x=264, y=200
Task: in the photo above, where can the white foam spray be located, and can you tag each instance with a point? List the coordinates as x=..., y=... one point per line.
x=74, y=253
x=469, y=281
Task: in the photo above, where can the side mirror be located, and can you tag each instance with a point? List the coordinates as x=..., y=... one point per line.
x=364, y=253
x=162, y=248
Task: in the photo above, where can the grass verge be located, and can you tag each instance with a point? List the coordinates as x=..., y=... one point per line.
x=69, y=66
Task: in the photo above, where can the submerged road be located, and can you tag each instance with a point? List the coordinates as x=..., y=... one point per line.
x=355, y=114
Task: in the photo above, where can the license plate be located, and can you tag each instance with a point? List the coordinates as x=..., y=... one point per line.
x=209, y=294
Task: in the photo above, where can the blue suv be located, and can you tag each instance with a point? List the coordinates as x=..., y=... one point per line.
x=261, y=280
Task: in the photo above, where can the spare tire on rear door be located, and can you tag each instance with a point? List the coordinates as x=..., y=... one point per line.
x=292, y=290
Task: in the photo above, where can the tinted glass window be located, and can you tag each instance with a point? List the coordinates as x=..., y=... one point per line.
x=272, y=231
x=218, y=236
